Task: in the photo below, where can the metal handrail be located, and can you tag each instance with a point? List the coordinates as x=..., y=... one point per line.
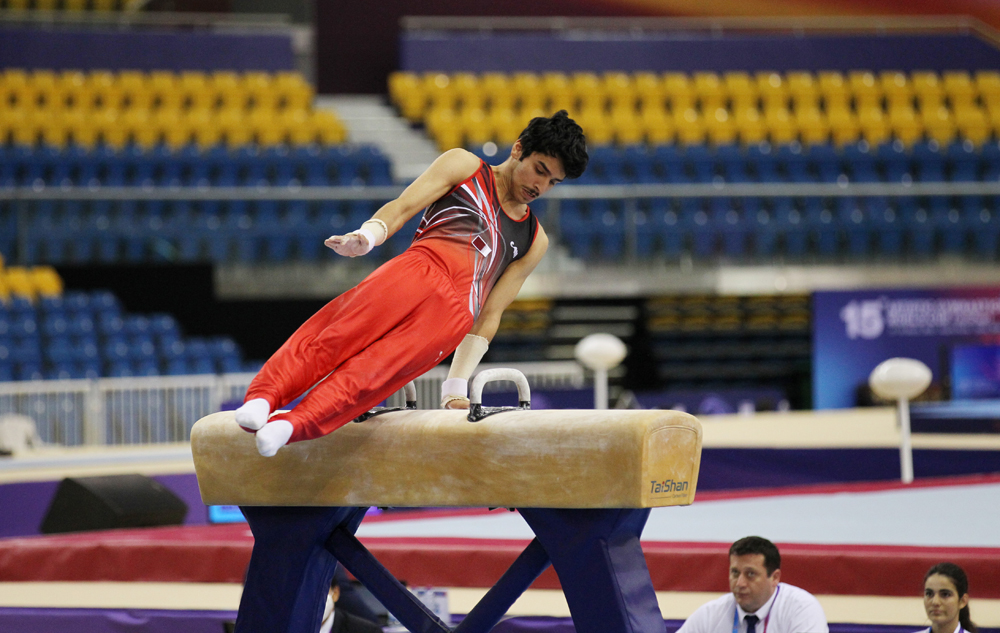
x=563, y=192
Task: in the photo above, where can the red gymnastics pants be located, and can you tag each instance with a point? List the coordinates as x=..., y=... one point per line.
x=394, y=326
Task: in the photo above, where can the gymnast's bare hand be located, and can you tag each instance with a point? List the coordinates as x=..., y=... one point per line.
x=455, y=402
x=354, y=244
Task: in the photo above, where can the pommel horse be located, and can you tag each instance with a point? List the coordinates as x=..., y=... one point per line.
x=583, y=480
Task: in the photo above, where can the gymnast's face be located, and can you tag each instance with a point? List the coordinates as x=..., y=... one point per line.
x=749, y=582
x=942, y=602
x=534, y=174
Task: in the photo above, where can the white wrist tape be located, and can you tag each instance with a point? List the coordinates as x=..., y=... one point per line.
x=379, y=236
x=455, y=387
x=370, y=240
x=468, y=354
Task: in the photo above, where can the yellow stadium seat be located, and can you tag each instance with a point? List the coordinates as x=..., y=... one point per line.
x=813, y=126
x=973, y=124
x=507, y=126
x=82, y=129
x=401, y=84
x=741, y=89
x=195, y=91
x=22, y=127
x=265, y=128
x=17, y=5
x=773, y=90
x=939, y=125
x=259, y=90
x=649, y=90
x=468, y=92
x=19, y=282
x=204, y=128
x=139, y=128
x=781, y=128
x=136, y=90
x=844, y=126
x=750, y=125
x=329, y=129
x=475, y=125
x=228, y=90
x=588, y=90
x=803, y=89
x=658, y=127
x=928, y=89
x=906, y=125
x=42, y=90
x=74, y=5
x=106, y=5
x=620, y=91
x=294, y=92
x=679, y=92
x=165, y=90
x=172, y=128
x=110, y=128
x=865, y=89
x=298, y=127
x=720, y=127
x=235, y=131
x=959, y=89
x=689, y=126
x=897, y=89
x=13, y=88
x=498, y=91
x=522, y=91
x=627, y=126
x=833, y=90
x=439, y=90
x=46, y=281
x=709, y=91
x=559, y=93
x=75, y=90
x=988, y=85
x=104, y=90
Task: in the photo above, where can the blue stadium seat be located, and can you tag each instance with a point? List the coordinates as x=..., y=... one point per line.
x=886, y=226
x=608, y=222
x=860, y=162
x=699, y=164
x=793, y=163
x=990, y=156
x=963, y=161
x=732, y=163
x=660, y=230
x=825, y=162
x=575, y=227
x=763, y=163
x=918, y=228
x=928, y=161
x=28, y=370
x=696, y=224
x=733, y=225
x=668, y=165
x=949, y=224
x=895, y=162
x=985, y=229
x=823, y=228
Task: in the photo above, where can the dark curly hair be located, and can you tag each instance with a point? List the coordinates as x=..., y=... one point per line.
x=558, y=136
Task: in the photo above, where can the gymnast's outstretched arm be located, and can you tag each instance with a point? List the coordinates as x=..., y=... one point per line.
x=454, y=390
x=448, y=171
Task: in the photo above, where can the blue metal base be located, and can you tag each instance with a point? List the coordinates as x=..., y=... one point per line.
x=596, y=554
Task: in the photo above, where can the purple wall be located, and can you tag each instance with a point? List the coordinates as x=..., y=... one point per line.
x=695, y=52
x=143, y=50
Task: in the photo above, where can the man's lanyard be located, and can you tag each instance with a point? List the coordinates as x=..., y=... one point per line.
x=736, y=613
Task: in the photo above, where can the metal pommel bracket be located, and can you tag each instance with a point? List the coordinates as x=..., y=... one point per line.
x=476, y=409
x=409, y=393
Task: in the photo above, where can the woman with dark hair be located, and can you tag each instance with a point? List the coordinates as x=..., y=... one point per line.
x=946, y=600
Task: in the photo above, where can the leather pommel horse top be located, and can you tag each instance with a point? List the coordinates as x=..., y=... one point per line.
x=437, y=458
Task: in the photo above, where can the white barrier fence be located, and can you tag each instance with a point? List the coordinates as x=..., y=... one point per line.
x=158, y=409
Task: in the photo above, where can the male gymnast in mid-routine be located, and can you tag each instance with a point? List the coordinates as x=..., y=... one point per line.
x=476, y=244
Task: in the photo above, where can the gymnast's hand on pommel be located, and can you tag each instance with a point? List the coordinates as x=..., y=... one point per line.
x=455, y=402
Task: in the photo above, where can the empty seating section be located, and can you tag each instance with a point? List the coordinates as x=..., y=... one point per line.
x=173, y=109
x=46, y=333
x=716, y=108
x=67, y=5
x=165, y=129
x=708, y=128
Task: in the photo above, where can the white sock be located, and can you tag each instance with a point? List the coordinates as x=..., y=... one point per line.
x=253, y=414
x=273, y=436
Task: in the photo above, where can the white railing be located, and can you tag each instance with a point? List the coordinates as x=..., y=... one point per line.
x=159, y=409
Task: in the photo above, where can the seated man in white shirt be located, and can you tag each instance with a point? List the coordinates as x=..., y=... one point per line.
x=758, y=601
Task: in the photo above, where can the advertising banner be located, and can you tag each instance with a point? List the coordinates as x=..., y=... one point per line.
x=853, y=331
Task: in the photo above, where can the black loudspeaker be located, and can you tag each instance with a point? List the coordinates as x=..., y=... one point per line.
x=114, y=501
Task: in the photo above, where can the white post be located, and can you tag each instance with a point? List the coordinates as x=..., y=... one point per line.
x=905, y=448
x=600, y=388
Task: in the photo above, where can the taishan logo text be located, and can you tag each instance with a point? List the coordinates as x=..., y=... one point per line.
x=667, y=485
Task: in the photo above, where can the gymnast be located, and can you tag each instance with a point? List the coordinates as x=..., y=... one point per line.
x=946, y=600
x=476, y=244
